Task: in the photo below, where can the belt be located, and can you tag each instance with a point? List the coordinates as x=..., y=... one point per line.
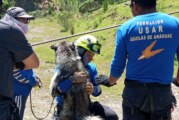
x=135, y=83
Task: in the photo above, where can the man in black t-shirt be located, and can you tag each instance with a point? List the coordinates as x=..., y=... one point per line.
x=15, y=51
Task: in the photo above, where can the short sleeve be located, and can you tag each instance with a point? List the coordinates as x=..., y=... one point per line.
x=18, y=45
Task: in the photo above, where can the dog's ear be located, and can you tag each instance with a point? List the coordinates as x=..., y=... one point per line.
x=54, y=47
x=72, y=46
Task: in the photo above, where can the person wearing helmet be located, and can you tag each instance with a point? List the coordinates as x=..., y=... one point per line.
x=24, y=80
x=87, y=46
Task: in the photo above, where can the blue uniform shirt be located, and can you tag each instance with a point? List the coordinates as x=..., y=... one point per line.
x=66, y=85
x=24, y=80
x=147, y=43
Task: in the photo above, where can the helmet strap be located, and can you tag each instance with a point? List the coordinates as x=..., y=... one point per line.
x=81, y=52
x=85, y=59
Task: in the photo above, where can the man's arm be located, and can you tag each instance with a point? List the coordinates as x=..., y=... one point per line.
x=31, y=61
x=119, y=60
x=22, y=51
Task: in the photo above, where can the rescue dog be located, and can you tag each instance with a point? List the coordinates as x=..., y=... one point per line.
x=76, y=100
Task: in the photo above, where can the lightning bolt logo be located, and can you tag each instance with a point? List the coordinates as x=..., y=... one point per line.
x=147, y=53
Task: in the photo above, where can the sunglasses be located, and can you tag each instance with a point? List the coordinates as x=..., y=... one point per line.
x=24, y=20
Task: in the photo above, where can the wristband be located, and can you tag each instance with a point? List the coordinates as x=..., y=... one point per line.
x=20, y=65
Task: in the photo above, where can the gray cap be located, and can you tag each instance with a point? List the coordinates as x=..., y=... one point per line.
x=17, y=12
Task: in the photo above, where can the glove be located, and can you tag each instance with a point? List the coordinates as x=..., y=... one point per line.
x=175, y=82
x=103, y=80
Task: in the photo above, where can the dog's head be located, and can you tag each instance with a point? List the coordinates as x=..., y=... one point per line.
x=62, y=46
x=65, y=50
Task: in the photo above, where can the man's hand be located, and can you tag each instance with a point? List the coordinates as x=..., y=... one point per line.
x=175, y=82
x=89, y=88
x=79, y=77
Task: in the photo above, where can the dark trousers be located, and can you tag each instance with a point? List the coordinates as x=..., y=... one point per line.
x=103, y=111
x=5, y=108
x=151, y=101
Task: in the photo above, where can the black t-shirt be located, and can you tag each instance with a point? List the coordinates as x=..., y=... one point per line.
x=13, y=48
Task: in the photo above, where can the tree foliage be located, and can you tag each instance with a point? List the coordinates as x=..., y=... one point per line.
x=82, y=6
x=28, y=5
x=88, y=6
x=64, y=9
x=66, y=20
x=5, y=5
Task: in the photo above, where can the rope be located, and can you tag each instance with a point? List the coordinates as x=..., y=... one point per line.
x=97, y=30
x=38, y=118
x=62, y=38
x=173, y=13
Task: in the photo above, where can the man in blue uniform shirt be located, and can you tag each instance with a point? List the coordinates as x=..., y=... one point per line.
x=146, y=46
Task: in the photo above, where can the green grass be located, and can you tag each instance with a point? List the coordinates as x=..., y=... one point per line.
x=43, y=29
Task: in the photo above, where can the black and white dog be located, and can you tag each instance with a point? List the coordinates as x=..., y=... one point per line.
x=76, y=100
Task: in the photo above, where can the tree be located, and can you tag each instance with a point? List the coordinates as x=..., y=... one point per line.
x=5, y=5
x=28, y=5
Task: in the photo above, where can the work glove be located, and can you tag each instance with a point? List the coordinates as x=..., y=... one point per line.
x=103, y=80
x=175, y=82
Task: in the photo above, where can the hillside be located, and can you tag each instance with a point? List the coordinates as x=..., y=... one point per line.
x=47, y=28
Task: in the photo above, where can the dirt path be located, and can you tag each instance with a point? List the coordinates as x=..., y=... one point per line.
x=42, y=99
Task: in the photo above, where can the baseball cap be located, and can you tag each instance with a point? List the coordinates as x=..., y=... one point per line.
x=17, y=12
